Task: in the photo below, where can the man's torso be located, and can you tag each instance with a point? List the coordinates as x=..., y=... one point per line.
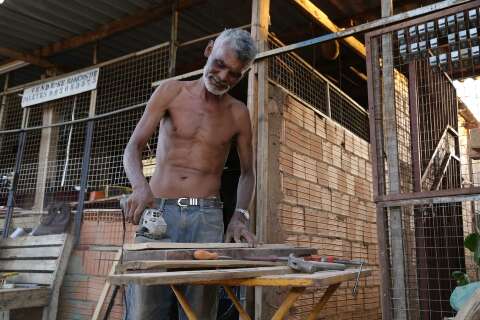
x=193, y=143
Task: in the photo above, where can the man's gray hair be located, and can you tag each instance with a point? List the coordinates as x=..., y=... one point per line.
x=239, y=40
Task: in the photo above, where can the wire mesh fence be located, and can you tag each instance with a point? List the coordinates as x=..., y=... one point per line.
x=50, y=169
x=423, y=150
x=302, y=80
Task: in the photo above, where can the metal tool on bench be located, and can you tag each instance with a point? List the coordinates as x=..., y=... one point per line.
x=153, y=224
x=208, y=255
x=305, y=266
x=357, y=262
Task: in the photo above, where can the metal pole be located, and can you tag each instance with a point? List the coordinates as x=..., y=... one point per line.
x=87, y=150
x=83, y=180
x=13, y=187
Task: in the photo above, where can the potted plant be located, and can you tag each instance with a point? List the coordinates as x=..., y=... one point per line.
x=465, y=288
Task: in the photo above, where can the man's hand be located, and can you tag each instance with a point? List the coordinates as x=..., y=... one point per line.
x=236, y=230
x=138, y=200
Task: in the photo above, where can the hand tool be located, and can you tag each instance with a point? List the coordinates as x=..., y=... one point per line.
x=358, y=262
x=208, y=255
x=302, y=265
x=154, y=224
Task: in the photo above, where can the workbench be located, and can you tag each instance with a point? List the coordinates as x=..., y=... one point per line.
x=279, y=276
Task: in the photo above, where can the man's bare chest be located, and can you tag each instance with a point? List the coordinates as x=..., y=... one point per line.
x=196, y=124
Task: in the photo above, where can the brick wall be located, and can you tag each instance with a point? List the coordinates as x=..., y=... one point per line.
x=89, y=266
x=325, y=199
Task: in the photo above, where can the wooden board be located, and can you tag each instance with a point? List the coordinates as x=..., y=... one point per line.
x=318, y=279
x=237, y=253
x=36, y=252
x=181, y=277
x=180, y=245
x=23, y=298
x=32, y=277
x=191, y=264
x=31, y=241
x=28, y=265
x=50, y=312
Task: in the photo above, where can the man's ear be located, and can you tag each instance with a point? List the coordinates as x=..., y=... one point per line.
x=208, y=49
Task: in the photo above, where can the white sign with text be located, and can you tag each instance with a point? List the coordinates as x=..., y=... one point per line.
x=60, y=88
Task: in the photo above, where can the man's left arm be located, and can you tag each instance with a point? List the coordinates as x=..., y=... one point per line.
x=238, y=227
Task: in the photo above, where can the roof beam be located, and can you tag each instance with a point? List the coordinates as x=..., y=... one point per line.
x=140, y=18
x=32, y=59
x=319, y=16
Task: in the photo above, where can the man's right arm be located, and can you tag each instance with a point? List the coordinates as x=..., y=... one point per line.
x=132, y=159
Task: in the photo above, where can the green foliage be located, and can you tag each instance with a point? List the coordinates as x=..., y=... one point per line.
x=461, y=278
x=472, y=243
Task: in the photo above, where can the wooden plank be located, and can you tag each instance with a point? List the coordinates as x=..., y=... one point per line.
x=184, y=303
x=34, y=241
x=322, y=18
x=292, y=296
x=318, y=279
x=23, y=298
x=173, y=40
x=50, y=312
x=46, y=154
x=237, y=254
x=98, y=313
x=28, y=265
x=260, y=22
x=314, y=314
x=390, y=122
x=39, y=252
x=182, y=277
x=180, y=245
x=191, y=264
x=30, y=58
x=33, y=278
x=242, y=314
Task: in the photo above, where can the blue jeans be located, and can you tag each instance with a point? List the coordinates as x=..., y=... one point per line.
x=184, y=224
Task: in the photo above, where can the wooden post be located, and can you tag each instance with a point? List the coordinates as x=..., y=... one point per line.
x=3, y=102
x=389, y=113
x=46, y=153
x=257, y=105
x=173, y=40
x=378, y=169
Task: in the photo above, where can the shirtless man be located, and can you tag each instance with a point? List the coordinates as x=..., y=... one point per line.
x=198, y=121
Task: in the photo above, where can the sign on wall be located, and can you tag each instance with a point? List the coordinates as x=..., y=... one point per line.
x=60, y=88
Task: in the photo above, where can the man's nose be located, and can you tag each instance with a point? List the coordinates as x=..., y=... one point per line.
x=223, y=75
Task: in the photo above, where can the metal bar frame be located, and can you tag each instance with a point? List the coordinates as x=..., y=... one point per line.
x=417, y=197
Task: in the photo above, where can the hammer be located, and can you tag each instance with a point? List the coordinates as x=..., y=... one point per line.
x=312, y=266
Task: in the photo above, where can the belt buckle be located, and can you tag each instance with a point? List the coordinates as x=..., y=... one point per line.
x=180, y=204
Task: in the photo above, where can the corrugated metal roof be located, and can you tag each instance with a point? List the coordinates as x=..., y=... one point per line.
x=27, y=25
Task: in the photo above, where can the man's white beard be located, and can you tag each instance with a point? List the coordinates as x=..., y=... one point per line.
x=211, y=88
